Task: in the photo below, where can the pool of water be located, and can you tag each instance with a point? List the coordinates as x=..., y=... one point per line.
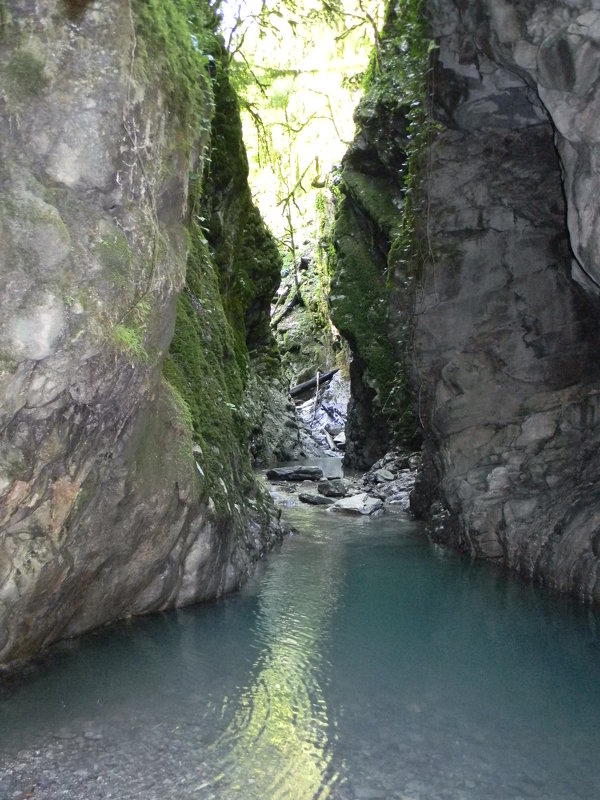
x=359, y=662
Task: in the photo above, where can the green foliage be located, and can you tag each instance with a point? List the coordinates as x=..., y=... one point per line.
x=175, y=37
x=25, y=73
x=288, y=63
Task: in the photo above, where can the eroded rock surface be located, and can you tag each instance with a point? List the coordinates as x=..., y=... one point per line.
x=506, y=320
x=105, y=510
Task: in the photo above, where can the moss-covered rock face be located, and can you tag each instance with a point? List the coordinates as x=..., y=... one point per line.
x=120, y=492
x=370, y=233
x=244, y=252
x=222, y=331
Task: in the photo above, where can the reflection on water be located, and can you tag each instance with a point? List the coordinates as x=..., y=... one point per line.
x=359, y=662
x=280, y=741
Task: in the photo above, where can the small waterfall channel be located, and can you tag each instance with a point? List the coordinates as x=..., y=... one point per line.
x=359, y=662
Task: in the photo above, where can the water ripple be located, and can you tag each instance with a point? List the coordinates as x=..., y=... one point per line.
x=280, y=739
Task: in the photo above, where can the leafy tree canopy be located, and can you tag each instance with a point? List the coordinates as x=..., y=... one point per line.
x=297, y=66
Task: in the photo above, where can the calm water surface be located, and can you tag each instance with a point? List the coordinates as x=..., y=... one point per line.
x=360, y=662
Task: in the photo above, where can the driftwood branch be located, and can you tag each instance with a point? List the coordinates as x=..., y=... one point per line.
x=320, y=378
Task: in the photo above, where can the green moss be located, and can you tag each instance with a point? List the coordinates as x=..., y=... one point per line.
x=202, y=366
x=376, y=234
x=129, y=340
x=376, y=196
x=8, y=365
x=232, y=272
x=181, y=407
x=25, y=74
x=403, y=84
x=5, y=21
x=175, y=37
x=246, y=256
x=182, y=420
x=360, y=307
x=129, y=333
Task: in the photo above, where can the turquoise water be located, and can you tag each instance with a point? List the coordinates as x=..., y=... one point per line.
x=360, y=662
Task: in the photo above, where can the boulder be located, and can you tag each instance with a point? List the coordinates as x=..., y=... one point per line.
x=340, y=440
x=295, y=474
x=332, y=488
x=359, y=504
x=383, y=476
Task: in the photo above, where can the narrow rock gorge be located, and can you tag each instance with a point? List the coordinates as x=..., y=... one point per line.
x=140, y=381
x=501, y=300
x=123, y=489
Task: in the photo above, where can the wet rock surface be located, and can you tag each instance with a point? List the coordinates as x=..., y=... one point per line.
x=499, y=310
x=315, y=499
x=304, y=337
x=358, y=504
x=387, y=486
x=332, y=488
x=323, y=417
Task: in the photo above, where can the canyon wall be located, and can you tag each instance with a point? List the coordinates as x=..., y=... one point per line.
x=495, y=311
x=117, y=496
x=506, y=316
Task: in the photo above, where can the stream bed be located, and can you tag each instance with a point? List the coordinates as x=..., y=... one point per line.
x=359, y=662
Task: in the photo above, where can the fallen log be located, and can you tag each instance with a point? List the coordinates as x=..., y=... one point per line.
x=295, y=300
x=320, y=377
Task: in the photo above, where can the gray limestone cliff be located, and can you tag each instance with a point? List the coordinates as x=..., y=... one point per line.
x=506, y=322
x=113, y=501
x=503, y=298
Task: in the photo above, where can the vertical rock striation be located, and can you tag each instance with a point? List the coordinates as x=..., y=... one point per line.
x=506, y=319
x=105, y=508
